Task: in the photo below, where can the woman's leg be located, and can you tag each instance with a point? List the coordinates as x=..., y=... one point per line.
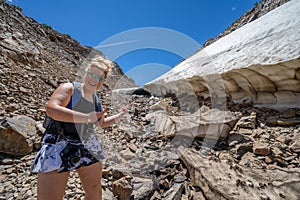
x=52, y=185
x=90, y=177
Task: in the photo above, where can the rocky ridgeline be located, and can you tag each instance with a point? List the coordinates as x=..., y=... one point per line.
x=165, y=148
x=34, y=60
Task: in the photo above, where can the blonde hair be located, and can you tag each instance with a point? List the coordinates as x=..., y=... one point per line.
x=101, y=63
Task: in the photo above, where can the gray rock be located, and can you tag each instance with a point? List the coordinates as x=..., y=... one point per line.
x=205, y=122
x=220, y=180
x=16, y=134
x=174, y=193
x=143, y=188
x=247, y=122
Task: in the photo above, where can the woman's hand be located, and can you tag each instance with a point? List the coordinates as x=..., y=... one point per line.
x=123, y=110
x=94, y=117
x=105, y=122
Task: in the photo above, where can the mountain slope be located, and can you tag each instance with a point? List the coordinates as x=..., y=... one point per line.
x=34, y=60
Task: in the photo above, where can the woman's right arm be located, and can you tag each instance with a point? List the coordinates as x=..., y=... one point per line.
x=56, y=107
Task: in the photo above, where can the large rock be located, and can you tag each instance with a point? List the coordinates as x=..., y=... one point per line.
x=225, y=180
x=259, y=62
x=143, y=188
x=208, y=123
x=122, y=188
x=16, y=135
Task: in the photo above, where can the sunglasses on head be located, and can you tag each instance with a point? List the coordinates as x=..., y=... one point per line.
x=95, y=76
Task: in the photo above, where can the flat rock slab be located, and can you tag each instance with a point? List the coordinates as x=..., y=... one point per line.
x=208, y=123
x=224, y=180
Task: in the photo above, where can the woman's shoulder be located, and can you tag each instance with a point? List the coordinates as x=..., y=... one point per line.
x=66, y=88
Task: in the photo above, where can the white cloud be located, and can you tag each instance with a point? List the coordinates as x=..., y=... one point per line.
x=115, y=44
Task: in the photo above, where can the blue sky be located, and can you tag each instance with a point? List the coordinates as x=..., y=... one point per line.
x=114, y=25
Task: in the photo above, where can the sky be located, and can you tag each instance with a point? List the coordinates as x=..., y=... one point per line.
x=145, y=37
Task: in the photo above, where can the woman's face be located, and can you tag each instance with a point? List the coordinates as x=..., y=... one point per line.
x=94, y=78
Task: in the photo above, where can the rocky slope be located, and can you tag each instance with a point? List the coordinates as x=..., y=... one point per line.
x=165, y=148
x=34, y=60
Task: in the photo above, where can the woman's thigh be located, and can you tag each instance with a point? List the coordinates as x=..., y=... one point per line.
x=90, y=177
x=52, y=185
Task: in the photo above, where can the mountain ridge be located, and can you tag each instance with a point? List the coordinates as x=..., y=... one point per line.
x=46, y=57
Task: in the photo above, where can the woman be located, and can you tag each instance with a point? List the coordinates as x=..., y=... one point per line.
x=68, y=142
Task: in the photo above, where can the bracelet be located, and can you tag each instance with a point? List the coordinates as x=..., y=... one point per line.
x=88, y=119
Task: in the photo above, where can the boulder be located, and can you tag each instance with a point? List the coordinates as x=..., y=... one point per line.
x=226, y=180
x=16, y=135
x=143, y=188
x=208, y=123
x=122, y=188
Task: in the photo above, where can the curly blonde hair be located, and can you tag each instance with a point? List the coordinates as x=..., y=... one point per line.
x=101, y=63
